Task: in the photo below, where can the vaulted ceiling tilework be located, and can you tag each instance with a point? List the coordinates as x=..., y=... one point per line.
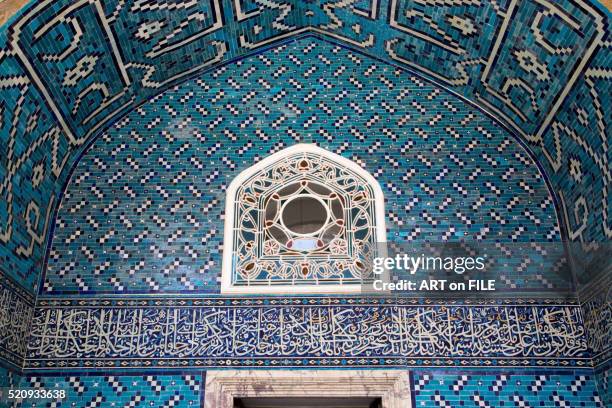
x=144, y=209
x=68, y=69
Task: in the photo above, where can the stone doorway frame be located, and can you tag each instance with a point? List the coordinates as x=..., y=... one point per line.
x=392, y=386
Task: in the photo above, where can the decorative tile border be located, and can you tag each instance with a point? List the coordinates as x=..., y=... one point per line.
x=168, y=389
x=598, y=325
x=430, y=388
x=482, y=389
x=262, y=301
x=304, y=335
x=16, y=311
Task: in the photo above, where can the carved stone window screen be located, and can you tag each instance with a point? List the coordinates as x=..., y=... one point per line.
x=331, y=253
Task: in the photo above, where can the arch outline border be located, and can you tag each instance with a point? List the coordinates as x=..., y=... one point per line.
x=227, y=286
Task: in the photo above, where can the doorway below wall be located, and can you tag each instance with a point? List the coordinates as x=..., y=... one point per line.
x=307, y=389
x=308, y=402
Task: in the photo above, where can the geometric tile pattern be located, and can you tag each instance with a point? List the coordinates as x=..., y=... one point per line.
x=603, y=377
x=32, y=156
x=102, y=57
x=429, y=389
x=302, y=332
x=543, y=67
x=8, y=379
x=516, y=389
x=121, y=391
x=69, y=68
x=549, y=77
x=144, y=208
x=577, y=142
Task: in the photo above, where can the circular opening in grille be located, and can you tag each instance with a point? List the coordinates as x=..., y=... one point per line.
x=304, y=215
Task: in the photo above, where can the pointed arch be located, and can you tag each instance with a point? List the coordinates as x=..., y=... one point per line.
x=261, y=255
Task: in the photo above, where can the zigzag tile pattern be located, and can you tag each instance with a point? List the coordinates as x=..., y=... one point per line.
x=489, y=390
x=602, y=376
x=182, y=390
x=146, y=47
x=70, y=68
x=543, y=67
x=9, y=378
x=431, y=389
x=144, y=209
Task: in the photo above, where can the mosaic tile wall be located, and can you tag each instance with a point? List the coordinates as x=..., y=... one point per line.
x=431, y=389
x=144, y=209
x=512, y=389
x=8, y=379
x=61, y=85
x=166, y=390
x=542, y=67
x=602, y=378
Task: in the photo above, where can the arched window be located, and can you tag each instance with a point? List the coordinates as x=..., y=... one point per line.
x=303, y=220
